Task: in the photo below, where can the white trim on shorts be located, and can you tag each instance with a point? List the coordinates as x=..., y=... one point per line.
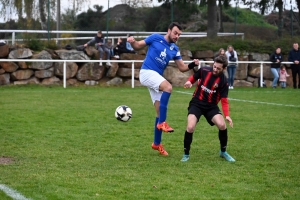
x=152, y=80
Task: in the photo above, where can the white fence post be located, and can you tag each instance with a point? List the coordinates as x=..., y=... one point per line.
x=65, y=75
x=132, y=74
x=13, y=37
x=261, y=75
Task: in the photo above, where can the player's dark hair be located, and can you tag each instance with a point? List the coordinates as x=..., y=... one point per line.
x=222, y=60
x=175, y=24
x=100, y=31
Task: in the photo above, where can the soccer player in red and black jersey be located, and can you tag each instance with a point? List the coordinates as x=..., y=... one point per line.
x=212, y=87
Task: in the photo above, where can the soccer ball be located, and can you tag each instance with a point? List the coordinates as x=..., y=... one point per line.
x=123, y=113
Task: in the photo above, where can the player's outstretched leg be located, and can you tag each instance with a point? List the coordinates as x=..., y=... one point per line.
x=163, y=107
x=156, y=145
x=188, y=139
x=223, y=137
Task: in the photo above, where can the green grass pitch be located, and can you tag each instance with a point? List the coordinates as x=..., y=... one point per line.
x=67, y=144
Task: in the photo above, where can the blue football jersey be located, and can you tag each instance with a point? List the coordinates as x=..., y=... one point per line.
x=160, y=52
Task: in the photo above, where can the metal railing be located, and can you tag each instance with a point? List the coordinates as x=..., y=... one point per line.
x=112, y=34
x=132, y=65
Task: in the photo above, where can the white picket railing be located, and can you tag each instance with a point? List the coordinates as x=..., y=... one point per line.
x=111, y=34
x=132, y=65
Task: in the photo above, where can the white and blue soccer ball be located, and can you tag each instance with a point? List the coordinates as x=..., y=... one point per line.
x=123, y=113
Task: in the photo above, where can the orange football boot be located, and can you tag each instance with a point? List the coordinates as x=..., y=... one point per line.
x=160, y=148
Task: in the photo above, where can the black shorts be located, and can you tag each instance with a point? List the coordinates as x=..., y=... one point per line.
x=198, y=108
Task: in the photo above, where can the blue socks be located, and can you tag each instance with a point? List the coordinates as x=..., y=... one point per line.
x=163, y=106
x=164, y=100
x=157, y=133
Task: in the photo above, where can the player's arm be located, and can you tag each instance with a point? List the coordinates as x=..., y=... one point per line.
x=192, y=79
x=225, y=108
x=136, y=45
x=185, y=67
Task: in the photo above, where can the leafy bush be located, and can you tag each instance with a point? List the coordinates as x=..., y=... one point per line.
x=251, y=45
x=51, y=45
x=33, y=42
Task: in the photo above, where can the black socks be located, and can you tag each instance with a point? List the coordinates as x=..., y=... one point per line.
x=223, y=137
x=188, y=138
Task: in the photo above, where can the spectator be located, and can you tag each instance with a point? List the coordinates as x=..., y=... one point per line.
x=100, y=46
x=276, y=58
x=110, y=48
x=121, y=47
x=232, y=58
x=294, y=56
x=220, y=52
x=129, y=47
x=282, y=76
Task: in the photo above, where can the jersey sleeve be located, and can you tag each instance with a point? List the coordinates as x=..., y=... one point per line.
x=224, y=99
x=150, y=39
x=225, y=106
x=178, y=55
x=193, y=78
x=224, y=91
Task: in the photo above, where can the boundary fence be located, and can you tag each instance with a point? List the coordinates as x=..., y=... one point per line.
x=132, y=65
x=110, y=34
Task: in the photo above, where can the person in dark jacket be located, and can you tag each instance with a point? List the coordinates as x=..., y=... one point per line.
x=121, y=47
x=276, y=58
x=100, y=46
x=294, y=56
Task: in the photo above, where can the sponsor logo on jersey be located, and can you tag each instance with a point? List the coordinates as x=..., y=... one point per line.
x=205, y=89
x=163, y=54
x=162, y=57
x=178, y=53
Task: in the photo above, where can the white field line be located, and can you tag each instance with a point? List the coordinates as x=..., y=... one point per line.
x=250, y=101
x=15, y=195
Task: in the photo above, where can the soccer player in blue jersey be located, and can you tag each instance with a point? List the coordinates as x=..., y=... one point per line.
x=212, y=87
x=161, y=49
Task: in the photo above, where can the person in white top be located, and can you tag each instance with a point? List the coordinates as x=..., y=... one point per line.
x=231, y=68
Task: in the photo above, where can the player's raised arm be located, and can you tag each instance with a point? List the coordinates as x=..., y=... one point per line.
x=185, y=67
x=136, y=44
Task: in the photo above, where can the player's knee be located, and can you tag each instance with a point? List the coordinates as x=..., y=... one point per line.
x=190, y=128
x=221, y=126
x=165, y=86
x=168, y=88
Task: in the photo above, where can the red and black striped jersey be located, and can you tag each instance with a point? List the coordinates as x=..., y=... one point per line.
x=210, y=88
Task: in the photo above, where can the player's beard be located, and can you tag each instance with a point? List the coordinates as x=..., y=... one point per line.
x=171, y=39
x=217, y=74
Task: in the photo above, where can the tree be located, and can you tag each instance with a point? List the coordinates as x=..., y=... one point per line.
x=212, y=25
x=279, y=5
x=220, y=14
x=298, y=6
x=34, y=9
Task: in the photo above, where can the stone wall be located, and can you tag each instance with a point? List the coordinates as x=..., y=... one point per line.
x=48, y=73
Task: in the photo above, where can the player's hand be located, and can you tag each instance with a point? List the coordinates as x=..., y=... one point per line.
x=196, y=61
x=130, y=39
x=296, y=62
x=85, y=45
x=229, y=120
x=188, y=84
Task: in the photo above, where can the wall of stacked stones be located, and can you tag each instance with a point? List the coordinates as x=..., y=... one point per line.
x=90, y=73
